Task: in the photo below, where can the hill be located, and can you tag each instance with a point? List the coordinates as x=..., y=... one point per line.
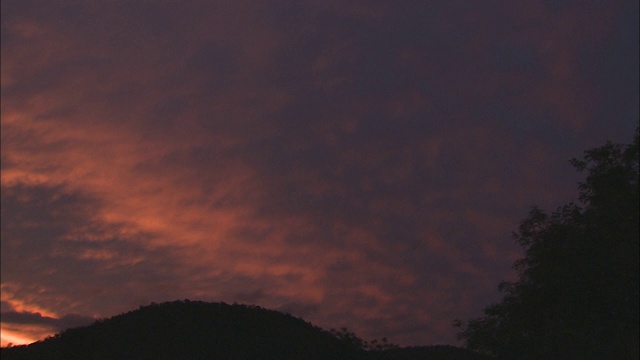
x=200, y=330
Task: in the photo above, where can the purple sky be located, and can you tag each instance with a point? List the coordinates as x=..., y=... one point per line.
x=354, y=163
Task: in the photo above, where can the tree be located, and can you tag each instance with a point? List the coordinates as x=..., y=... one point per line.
x=577, y=292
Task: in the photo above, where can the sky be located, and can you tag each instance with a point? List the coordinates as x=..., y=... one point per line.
x=354, y=163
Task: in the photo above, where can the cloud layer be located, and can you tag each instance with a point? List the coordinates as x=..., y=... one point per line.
x=359, y=164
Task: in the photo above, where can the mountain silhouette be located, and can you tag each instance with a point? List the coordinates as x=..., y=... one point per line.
x=200, y=330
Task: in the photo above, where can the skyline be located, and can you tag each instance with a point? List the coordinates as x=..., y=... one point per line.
x=357, y=164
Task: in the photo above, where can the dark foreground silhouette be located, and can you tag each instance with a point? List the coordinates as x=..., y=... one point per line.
x=200, y=330
x=578, y=286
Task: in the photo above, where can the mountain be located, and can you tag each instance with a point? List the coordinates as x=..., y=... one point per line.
x=200, y=330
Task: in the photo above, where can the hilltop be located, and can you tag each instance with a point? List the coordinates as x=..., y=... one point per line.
x=201, y=330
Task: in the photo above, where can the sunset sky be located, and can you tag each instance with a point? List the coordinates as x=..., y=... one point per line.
x=353, y=163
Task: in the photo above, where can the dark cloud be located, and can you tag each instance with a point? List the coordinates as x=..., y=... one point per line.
x=615, y=67
x=65, y=322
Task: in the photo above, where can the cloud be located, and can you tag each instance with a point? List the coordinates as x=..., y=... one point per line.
x=72, y=257
x=65, y=322
x=359, y=164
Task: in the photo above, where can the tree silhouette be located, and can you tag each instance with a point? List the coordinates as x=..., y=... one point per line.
x=577, y=293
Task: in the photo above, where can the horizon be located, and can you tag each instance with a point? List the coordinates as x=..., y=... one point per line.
x=337, y=333
x=358, y=164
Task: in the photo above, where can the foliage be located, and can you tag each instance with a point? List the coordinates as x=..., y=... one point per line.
x=577, y=293
x=351, y=339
